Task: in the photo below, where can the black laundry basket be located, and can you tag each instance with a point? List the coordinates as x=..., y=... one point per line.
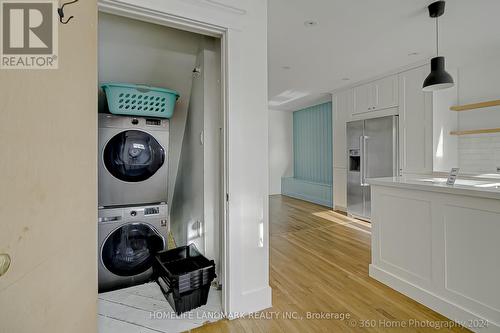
x=184, y=276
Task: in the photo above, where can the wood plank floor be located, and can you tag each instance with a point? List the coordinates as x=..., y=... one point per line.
x=319, y=263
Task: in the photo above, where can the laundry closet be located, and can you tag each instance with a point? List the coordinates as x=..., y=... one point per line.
x=172, y=196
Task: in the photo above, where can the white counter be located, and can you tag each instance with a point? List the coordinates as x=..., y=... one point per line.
x=467, y=187
x=440, y=245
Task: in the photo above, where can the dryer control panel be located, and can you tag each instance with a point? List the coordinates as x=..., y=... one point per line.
x=151, y=211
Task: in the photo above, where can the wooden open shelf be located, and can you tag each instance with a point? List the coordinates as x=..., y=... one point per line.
x=473, y=106
x=479, y=131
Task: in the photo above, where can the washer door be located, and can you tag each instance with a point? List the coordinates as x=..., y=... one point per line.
x=130, y=249
x=133, y=156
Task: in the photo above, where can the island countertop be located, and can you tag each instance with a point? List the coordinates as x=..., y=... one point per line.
x=469, y=187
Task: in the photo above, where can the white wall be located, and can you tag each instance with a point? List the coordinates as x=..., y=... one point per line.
x=280, y=148
x=195, y=212
x=212, y=149
x=445, y=146
x=477, y=82
x=186, y=212
x=247, y=247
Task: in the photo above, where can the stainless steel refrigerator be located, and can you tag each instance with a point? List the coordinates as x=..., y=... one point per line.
x=372, y=152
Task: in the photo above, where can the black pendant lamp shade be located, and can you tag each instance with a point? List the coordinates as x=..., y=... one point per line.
x=438, y=78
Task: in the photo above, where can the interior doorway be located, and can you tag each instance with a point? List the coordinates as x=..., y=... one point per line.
x=189, y=58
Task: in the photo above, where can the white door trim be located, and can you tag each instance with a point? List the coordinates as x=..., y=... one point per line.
x=141, y=13
x=145, y=14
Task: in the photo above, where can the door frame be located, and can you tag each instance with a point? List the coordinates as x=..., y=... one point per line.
x=149, y=15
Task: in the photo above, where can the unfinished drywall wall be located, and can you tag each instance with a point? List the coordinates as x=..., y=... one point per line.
x=48, y=196
x=133, y=51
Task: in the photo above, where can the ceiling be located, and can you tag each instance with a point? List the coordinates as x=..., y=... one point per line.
x=355, y=40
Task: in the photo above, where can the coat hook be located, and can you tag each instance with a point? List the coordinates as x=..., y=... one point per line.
x=60, y=11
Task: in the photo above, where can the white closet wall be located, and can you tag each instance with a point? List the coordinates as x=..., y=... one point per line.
x=196, y=199
x=213, y=148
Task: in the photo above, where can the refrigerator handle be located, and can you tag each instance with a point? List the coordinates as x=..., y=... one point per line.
x=362, y=161
x=365, y=160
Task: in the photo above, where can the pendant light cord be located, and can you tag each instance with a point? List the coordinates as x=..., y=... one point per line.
x=437, y=37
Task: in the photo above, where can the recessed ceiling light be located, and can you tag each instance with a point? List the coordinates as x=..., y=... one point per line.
x=411, y=54
x=310, y=23
x=286, y=67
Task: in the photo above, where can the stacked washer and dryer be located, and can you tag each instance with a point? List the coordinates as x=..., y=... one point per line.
x=133, y=216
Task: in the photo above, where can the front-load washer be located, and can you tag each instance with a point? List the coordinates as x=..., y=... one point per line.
x=129, y=238
x=133, y=160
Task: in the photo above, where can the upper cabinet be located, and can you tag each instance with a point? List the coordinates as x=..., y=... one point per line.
x=363, y=98
x=415, y=123
x=377, y=95
x=387, y=92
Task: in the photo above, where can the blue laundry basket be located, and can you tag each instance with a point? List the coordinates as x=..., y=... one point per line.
x=140, y=100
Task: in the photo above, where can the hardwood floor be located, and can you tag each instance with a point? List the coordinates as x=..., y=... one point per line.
x=319, y=264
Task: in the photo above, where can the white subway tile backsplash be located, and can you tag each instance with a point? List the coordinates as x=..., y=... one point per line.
x=479, y=153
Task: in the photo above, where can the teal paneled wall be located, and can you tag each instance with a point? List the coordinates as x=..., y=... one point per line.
x=312, y=156
x=312, y=144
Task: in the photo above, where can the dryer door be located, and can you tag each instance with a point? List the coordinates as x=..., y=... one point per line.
x=130, y=249
x=133, y=156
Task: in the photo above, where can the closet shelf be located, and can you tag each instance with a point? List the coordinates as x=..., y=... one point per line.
x=478, y=131
x=473, y=106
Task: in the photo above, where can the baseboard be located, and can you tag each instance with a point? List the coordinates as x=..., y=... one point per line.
x=309, y=199
x=318, y=193
x=446, y=308
x=340, y=209
x=250, y=302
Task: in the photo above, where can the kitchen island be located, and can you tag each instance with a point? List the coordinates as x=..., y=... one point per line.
x=440, y=245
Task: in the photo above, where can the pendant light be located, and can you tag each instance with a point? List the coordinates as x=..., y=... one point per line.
x=438, y=78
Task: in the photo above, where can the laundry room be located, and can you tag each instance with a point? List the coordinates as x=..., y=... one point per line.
x=160, y=176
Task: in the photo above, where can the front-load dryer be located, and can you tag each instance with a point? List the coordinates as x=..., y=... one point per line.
x=133, y=160
x=129, y=238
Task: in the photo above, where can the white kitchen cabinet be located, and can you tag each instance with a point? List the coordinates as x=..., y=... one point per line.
x=415, y=123
x=377, y=95
x=386, y=92
x=340, y=189
x=363, y=98
x=343, y=104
